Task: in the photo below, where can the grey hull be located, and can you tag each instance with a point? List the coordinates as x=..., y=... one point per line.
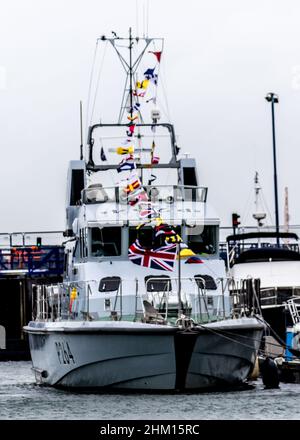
x=217, y=361
x=143, y=357
x=109, y=360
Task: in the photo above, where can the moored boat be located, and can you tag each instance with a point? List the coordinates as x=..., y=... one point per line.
x=144, y=304
x=271, y=256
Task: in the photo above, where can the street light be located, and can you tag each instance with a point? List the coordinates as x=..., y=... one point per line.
x=273, y=98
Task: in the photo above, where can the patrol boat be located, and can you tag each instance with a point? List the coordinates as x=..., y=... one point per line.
x=144, y=304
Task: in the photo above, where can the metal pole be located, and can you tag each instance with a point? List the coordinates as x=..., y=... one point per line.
x=223, y=298
x=88, y=303
x=130, y=72
x=136, y=299
x=81, y=133
x=275, y=172
x=179, y=281
x=273, y=98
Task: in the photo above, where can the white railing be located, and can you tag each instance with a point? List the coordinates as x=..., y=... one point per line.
x=54, y=302
x=168, y=193
x=79, y=301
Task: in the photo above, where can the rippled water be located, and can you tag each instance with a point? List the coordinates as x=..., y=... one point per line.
x=20, y=398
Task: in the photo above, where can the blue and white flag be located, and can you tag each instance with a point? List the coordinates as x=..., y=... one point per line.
x=149, y=74
x=126, y=166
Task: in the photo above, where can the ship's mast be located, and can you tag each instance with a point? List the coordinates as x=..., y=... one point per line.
x=130, y=63
x=131, y=51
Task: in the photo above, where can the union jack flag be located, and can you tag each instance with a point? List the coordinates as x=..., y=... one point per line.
x=162, y=258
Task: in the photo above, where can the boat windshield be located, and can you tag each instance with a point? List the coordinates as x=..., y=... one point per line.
x=146, y=236
x=105, y=242
x=205, y=242
x=95, y=194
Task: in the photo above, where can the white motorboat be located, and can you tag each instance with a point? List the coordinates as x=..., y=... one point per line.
x=273, y=258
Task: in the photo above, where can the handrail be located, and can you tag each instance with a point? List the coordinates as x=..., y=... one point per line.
x=136, y=298
x=33, y=259
x=173, y=162
x=25, y=234
x=55, y=302
x=117, y=192
x=293, y=309
x=164, y=292
x=119, y=291
x=201, y=295
x=235, y=249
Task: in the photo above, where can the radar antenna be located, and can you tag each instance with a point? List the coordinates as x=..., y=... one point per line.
x=258, y=215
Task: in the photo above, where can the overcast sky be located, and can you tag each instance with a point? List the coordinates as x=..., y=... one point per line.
x=221, y=58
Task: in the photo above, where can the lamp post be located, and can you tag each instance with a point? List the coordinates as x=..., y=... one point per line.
x=273, y=98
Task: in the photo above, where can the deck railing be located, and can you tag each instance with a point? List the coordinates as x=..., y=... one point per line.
x=32, y=260
x=164, y=193
x=29, y=238
x=234, y=250
x=278, y=295
x=78, y=301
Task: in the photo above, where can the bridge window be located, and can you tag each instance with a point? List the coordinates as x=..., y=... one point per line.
x=109, y=284
x=95, y=194
x=205, y=242
x=146, y=236
x=105, y=242
x=158, y=283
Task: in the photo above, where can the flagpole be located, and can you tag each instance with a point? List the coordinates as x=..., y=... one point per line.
x=179, y=281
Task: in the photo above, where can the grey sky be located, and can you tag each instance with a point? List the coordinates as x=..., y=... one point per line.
x=221, y=58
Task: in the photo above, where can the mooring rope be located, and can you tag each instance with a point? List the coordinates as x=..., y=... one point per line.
x=281, y=343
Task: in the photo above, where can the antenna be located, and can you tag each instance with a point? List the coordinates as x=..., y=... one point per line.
x=129, y=63
x=81, y=133
x=130, y=72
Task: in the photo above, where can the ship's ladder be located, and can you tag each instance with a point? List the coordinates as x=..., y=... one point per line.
x=293, y=309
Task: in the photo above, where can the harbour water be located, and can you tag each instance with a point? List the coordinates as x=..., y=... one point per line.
x=22, y=399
